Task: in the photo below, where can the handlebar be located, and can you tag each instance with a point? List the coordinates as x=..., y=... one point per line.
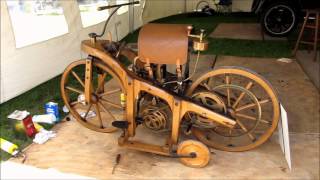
x=93, y=35
x=115, y=6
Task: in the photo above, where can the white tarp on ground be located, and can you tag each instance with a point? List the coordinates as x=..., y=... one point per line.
x=12, y=170
x=29, y=66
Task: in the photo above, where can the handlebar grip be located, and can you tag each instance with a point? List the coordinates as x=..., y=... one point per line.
x=118, y=5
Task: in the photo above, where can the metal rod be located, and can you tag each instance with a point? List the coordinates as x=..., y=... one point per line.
x=114, y=11
x=107, y=21
x=116, y=6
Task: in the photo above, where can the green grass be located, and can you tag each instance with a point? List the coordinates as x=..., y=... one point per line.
x=34, y=100
x=235, y=47
x=209, y=23
x=249, y=48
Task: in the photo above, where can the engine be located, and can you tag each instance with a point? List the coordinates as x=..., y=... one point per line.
x=156, y=115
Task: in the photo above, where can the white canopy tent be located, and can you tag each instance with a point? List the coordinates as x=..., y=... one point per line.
x=25, y=67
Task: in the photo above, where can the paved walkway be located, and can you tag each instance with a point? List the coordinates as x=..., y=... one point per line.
x=249, y=31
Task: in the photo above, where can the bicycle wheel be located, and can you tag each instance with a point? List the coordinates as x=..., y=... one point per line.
x=105, y=106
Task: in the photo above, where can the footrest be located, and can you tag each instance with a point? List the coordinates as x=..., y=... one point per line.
x=120, y=124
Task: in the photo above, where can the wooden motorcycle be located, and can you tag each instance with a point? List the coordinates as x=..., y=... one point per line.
x=228, y=108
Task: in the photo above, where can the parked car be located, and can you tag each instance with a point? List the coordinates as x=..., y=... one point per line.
x=280, y=17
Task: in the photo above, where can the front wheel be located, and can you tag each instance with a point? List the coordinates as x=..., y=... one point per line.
x=279, y=19
x=105, y=106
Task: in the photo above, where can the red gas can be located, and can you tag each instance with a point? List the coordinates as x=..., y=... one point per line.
x=29, y=126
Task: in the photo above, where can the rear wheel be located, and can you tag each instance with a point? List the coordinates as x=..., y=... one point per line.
x=279, y=19
x=241, y=95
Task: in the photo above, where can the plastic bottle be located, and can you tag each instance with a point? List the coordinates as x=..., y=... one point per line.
x=53, y=108
x=20, y=128
x=123, y=99
x=44, y=118
x=9, y=147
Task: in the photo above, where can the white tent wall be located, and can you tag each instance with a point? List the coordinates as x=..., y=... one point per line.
x=241, y=5
x=26, y=67
x=155, y=9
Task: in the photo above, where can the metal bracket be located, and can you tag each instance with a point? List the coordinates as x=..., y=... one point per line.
x=101, y=78
x=191, y=155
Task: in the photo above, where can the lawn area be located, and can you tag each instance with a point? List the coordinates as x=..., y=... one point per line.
x=245, y=48
x=34, y=100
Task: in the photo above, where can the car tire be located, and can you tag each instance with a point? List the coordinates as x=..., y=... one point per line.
x=279, y=19
x=201, y=5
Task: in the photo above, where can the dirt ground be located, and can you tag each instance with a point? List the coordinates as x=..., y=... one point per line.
x=310, y=67
x=295, y=90
x=84, y=152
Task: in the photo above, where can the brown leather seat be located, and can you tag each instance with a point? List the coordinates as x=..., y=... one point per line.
x=163, y=43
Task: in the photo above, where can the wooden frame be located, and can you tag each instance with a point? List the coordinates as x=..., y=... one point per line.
x=134, y=85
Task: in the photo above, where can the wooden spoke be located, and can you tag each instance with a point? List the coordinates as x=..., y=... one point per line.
x=78, y=78
x=112, y=104
x=240, y=101
x=74, y=103
x=101, y=82
x=74, y=89
x=251, y=118
x=99, y=115
x=203, y=100
x=110, y=92
x=92, y=89
x=245, y=130
x=107, y=111
x=86, y=114
x=77, y=102
x=206, y=86
x=228, y=90
x=208, y=82
x=252, y=105
x=248, y=86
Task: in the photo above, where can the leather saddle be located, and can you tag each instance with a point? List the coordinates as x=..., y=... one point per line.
x=163, y=43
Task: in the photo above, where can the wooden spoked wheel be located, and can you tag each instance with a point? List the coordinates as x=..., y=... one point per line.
x=249, y=100
x=105, y=106
x=211, y=101
x=198, y=149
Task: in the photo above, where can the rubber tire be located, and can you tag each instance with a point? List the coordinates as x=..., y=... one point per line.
x=264, y=13
x=202, y=2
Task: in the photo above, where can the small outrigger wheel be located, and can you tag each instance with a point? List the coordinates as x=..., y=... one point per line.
x=247, y=98
x=105, y=106
x=199, y=151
